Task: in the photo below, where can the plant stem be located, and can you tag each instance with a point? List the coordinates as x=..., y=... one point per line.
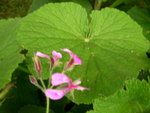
x=23, y=69
x=97, y=4
x=4, y=92
x=47, y=104
x=117, y=3
x=47, y=99
x=41, y=88
x=49, y=80
x=42, y=83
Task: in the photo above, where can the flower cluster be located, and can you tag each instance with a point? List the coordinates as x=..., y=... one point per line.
x=63, y=84
x=58, y=79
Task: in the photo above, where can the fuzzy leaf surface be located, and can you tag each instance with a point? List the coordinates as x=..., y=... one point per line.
x=9, y=49
x=111, y=45
x=135, y=99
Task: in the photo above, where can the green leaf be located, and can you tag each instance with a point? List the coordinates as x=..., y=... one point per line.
x=142, y=17
x=84, y=3
x=103, y=0
x=23, y=93
x=118, y=2
x=135, y=99
x=111, y=46
x=9, y=49
x=39, y=3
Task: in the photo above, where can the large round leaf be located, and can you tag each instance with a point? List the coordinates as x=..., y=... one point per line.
x=111, y=45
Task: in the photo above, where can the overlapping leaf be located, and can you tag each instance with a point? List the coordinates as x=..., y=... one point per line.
x=39, y=3
x=111, y=45
x=135, y=99
x=9, y=49
x=143, y=18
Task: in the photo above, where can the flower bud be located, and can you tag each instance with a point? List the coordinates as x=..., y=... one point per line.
x=52, y=63
x=37, y=64
x=33, y=80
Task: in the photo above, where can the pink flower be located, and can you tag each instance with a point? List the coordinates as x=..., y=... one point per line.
x=56, y=55
x=58, y=79
x=74, y=59
x=56, y=94
x=54, y=59
x=42, y=55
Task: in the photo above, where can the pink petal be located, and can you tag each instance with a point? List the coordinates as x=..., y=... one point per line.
x=76, y=82
x=42, y=55
x=66, y=50
x=59, y=78
x=56, y=55
x=55, y=94
x=77, y=60
x=81, y=88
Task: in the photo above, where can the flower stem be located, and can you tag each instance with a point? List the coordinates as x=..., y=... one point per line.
x=49, y=80
x=47, y=104
x=4, y=92
x=23, y=69
x=42, y=82
x=41, y=88
x=47, y=99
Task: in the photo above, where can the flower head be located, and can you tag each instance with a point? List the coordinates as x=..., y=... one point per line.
x=42, y=55
x=56, y=55
x=58, y=79
x=54, y=59
x=74, y=59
